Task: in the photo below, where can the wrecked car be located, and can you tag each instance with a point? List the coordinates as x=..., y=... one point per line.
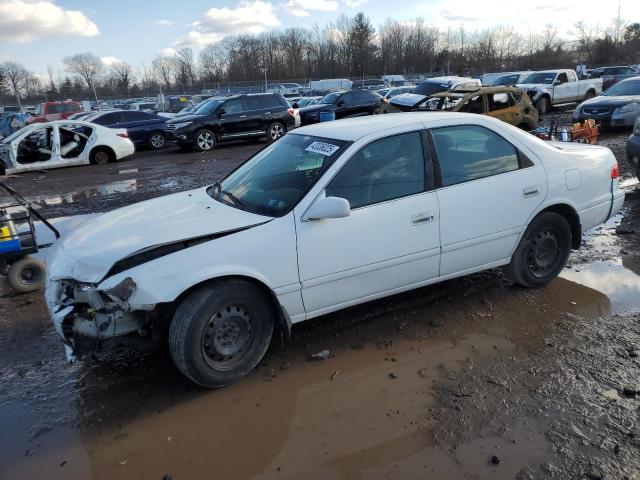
x=508, y=104
x=328, y=216
x=62, y=144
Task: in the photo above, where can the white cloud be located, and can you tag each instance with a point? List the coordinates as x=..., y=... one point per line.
x=299, y=13
x=246, y=18
x=108, y=61
x=167, y=52
x=354, y=3
x=23, y=21
x=163, y=23
x=301, y=8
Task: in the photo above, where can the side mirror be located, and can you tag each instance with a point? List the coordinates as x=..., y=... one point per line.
x=341, y=103
x=328, y=207
x=221, y=112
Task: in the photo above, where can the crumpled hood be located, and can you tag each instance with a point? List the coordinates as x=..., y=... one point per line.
x=606, y=101
x=407, y=100
x=89, y=251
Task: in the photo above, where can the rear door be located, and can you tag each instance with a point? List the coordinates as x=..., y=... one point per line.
x=256, y=113
x=489, y=189
x=138, y=125
x=502, y=107
x=345, y=105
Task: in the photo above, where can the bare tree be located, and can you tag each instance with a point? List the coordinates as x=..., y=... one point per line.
x=163, y=67
x=17, y=76
x=184, y=67
x=213, y=62
x=122, y=72
x=87, y=66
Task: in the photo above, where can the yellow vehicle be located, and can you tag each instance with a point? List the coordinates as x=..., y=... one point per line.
x=509, y=104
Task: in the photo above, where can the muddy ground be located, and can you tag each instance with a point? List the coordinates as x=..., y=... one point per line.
x=474, y=378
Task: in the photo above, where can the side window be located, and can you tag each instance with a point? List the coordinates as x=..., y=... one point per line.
x=108, y=119
x=474, y=105
x=498, y=101
x=271, y=101
x=254, y=102
x=388, y=168
x=233, y=106
x=135, y=116
x=470, y=152
x=562, y=78
x=347, y=98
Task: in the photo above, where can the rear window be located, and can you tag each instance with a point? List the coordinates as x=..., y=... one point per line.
x=71, y=107
x=431, y=88
x=108, y=119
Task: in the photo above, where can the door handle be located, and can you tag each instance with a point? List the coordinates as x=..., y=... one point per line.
x=268, y=113
x=420, y=218
x=531, y=191
x=243, y=116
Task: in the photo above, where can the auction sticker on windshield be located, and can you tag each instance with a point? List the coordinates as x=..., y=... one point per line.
x=322, y=148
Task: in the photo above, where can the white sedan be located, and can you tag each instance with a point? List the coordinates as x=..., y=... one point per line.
x=62, y=143
x=328, y=216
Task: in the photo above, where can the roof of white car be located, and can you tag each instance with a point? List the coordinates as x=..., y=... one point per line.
x=352, y=129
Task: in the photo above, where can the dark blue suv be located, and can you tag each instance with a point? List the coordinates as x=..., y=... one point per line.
x=144, y=129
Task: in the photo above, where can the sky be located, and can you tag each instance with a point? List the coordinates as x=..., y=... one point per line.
x=38, y=33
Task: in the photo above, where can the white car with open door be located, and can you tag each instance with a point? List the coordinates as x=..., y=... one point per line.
x=328, y=216
x=63, y=143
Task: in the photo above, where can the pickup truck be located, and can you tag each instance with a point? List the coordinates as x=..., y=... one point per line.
x=554, y=87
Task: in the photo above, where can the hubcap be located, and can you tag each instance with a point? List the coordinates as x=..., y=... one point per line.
x=102, y=157
x=276, y=131
x=227, y=337
x=157, y=141
x=206, y=141
x=29, y=276
x=543, y=253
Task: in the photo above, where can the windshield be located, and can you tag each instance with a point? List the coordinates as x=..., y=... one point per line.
x=208, y=107
x=331, y=98
x=541, y=77
x=506, y=80
x=624, y=88
x=430, y=88
x=275, y=179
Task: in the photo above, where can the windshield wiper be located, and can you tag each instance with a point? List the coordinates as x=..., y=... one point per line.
x=233, y=198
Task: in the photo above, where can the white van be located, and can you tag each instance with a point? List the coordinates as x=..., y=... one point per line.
x=334, y=84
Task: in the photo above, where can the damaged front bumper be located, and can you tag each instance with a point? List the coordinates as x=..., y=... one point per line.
x=85, y=316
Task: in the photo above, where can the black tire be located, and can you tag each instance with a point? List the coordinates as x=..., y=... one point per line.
x=275, y=130
x=102, y=156
x=220, y=332
x=589, y=95
x=156, y=140
x=26, y=275
x=204, y=140
x=375, y=111
x=542, y=252
x=543, y=106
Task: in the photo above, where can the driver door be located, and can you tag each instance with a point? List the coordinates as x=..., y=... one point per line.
x=390, y=240
x=233, y=122
x=39, y=149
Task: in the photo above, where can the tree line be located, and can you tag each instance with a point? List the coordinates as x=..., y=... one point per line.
x=349, y=47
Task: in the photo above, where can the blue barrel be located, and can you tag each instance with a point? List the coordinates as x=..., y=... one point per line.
x=327, y=116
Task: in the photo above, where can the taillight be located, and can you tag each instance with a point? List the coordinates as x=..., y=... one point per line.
x=292, y=111
x=615, y=172
x=123, y=135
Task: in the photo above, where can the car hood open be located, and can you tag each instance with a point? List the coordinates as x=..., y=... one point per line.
x=90, y=250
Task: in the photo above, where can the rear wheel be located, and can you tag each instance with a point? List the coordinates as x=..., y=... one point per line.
x=156, y=141
x=375, y=111
x=590, y=94
x=101, y=156
x=220, y=332
x=275, y=131
x=543, y=105
x=26, y=275
x=542, y=252
x=204, y=140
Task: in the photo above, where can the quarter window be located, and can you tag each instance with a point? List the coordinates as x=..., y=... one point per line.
x=389, y=168
x=469, y=152
x=498, y=101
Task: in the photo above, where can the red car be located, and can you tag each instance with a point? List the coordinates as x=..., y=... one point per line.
x=48, y=111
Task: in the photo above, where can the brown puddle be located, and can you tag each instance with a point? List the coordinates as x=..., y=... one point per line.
x=366, y=412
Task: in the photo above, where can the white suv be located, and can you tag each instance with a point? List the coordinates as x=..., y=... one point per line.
x=328, y=216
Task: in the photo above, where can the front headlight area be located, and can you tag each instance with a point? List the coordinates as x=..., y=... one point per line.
x=632, y=107
x=178, y=126
x=86, y=316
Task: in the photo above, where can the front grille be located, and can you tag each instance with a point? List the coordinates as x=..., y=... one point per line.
x=600, y=112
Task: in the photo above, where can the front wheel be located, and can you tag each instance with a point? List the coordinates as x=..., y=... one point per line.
x=156, y=141
x=543, y=105
x=26, y=275
x=102, y=156
x=542, y=252
x=220, y=332
x=275, y=131
x=204, y=140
